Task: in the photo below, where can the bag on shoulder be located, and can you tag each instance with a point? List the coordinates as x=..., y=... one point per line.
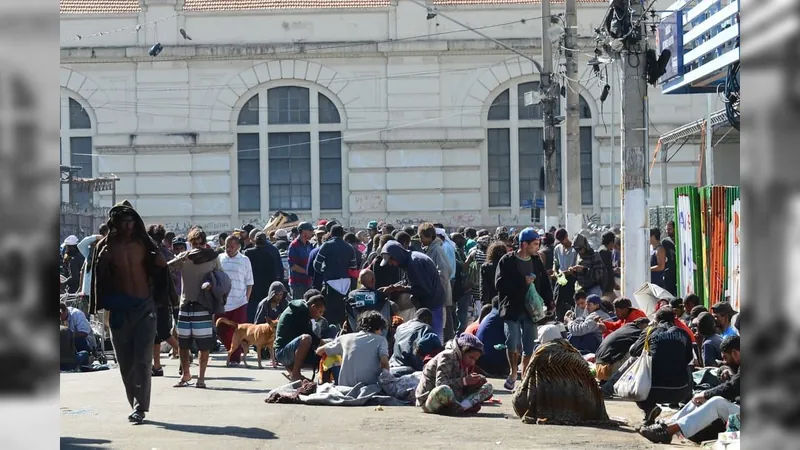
x=635, y=382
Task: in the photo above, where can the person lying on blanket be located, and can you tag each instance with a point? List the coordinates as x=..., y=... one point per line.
x=449, y=386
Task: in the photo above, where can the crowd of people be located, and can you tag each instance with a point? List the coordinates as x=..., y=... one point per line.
x=452, y=309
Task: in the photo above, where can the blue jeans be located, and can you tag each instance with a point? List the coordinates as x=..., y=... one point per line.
x=462, y=311
x=438, y=322
x=520, y=333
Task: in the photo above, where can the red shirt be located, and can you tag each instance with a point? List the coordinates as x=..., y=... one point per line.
x=473, y=328
x=613, y=326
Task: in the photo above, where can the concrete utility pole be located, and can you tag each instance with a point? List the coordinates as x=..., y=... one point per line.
x=635, y=234
x=573, y=206
x=551, y=214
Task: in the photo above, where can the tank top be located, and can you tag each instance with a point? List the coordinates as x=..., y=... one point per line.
x=656, y=276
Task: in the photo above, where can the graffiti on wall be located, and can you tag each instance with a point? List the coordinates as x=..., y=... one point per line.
x=409, y=221
x=368, y=202
x=462, y=220
x=508, y=219
x=183, y=226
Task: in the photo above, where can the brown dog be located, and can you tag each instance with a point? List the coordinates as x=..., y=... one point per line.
x=247, y=334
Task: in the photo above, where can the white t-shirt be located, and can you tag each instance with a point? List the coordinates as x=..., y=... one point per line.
x=240, y=272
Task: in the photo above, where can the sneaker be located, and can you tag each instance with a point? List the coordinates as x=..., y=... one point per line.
x=136, y=417
x=652, y=415
x=656, y=434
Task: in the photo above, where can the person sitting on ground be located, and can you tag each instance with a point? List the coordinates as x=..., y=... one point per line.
x=584, y=332
x=273, y=305
x=706, y=407
x=474, y=326
x=294, y=336
x=367, y=298
x=625, y=313
x=723, y=313
x=689, y=303
x=364, y=353
x=615, y=349
x=711, y=341
x=579, y=311
x=448, y=385
x=671, y=350
x=494, y=361
x=76, y=321
x=404, y=359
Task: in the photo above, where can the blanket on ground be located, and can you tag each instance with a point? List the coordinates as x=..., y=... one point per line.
x=331, y=395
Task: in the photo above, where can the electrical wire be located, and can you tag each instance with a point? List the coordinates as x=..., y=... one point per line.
x=732, y=95
x=136, y=28
x=305, y=49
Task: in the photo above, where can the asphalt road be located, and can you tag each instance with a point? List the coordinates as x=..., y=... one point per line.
x=231, y=414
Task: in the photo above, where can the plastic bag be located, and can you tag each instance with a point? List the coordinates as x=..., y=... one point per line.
x=534, y=303
x=635, y=382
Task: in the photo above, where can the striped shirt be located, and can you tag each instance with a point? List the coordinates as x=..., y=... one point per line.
x=240, y=272
x=480, y=258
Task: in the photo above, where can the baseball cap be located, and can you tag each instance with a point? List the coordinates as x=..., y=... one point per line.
x=676, y=303
x=281, y=234
x=305, y=226
x=321, y=229
x=548, y=333
x=528, y=235
x=594, y=298
x=372, y=225
x=724, y=308
x=71, y=240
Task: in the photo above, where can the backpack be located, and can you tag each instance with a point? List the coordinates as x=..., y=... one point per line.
x=285, y=262
x=474, y=274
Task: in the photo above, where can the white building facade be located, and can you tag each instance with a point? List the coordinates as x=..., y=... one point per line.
x=357, y=110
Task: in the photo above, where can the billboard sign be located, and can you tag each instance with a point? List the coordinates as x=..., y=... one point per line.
x=670, y=36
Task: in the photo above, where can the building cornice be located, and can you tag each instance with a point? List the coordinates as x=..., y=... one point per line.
x=238, y=52
x=406, y=144
x=162, y=149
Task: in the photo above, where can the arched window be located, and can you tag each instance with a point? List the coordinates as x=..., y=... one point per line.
x=289, y=127
x=522, y=126
x=76, y=144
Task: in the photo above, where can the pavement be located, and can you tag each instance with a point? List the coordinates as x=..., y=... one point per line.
x=231, y=413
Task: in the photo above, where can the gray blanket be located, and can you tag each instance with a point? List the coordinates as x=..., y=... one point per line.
x=358, y=395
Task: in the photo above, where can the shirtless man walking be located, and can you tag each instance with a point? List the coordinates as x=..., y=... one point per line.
x=126, y=262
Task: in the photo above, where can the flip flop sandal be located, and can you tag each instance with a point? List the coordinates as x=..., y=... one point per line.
x=157, y=372
x=509, y=384
x=183, y=383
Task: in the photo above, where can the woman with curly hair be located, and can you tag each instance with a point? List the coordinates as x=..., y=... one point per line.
x=364, y=353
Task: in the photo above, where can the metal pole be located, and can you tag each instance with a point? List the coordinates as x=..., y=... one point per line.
x=551, y=215
x=614, y=86
x=709, y=137
x=635, y=249
x=572, y=176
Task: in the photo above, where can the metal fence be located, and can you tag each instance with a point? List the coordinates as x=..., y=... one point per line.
x=81, y=221
x=660, y=215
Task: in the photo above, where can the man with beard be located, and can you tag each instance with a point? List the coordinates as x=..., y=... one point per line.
x=130, y=278
x=589, y=271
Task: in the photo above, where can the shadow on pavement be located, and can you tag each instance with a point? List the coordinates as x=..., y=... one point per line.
x=216, y=378
x=244, y=390
x=233, y=431
x=72, y=443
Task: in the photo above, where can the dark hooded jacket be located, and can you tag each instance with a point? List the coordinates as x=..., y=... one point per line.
x=406, y=338
x=161, y=285
x=423, y=277
x=265, y=310
x=267, y=268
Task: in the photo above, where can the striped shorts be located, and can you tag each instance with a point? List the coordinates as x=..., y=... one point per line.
x=195, y=324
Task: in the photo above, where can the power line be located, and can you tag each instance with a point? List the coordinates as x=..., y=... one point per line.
x=135, y=28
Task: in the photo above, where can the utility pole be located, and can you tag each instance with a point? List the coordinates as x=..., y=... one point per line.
x=635, y=248
x=573, y=207
x=548, y=111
